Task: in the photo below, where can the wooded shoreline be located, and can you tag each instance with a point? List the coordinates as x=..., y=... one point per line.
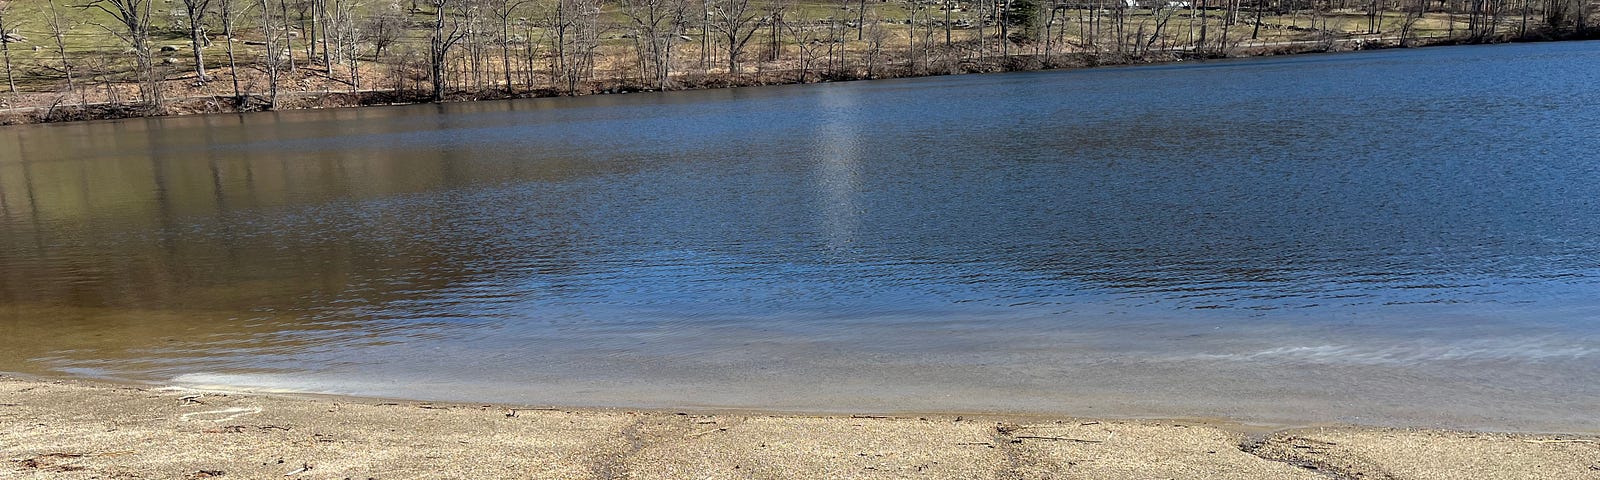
x=107, y=59
x=219, y=104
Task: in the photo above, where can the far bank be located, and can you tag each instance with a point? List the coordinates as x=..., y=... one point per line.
x=57, y=107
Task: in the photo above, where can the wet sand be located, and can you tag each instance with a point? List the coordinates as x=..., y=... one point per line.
x=73, y=429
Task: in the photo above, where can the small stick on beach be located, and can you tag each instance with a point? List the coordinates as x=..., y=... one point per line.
x=512, y=412
x=304, y=467
x=1065, y=439
x=707, y=432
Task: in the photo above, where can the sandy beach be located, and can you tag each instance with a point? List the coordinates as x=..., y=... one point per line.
x=75, y=429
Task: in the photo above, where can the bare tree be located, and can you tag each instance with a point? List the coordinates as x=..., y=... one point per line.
x=340, y=41
x=777, y=12
x=59, y=29
x=737, y=21
x=469, y=17
x=97, y=68
x=195, y=12
x=1408, y=27
x=810, y=43
x=657, y=25
x=911, y=35
x=705, y=35
x=876, y=37
x=275, y=54
x=352, y=37
x=383, y=29
x=1162, y=14
x=577, y=36
x=560, y=21
x=288, y=35
x=530, y=50
x=439, y=44
x=227, y=13
x=503, y=11
x=133, y=28
x=1372, y=18
x=319, y=17
x=5, y=44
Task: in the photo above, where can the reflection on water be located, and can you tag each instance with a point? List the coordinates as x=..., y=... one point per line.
x=1403, y=237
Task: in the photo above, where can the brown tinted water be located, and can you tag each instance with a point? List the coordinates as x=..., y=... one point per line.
x=1403, y=238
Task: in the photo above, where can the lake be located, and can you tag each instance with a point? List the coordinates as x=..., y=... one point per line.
x=1405, y=237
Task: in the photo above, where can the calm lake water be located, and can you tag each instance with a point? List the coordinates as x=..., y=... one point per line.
x=1399, y=238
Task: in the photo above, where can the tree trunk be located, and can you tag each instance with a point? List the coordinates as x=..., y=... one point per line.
x=60, y=32
x=288, y=41
x=861, y=20
x=273, y=51
x=195, y=42
x=227, y=32
x=322, y=20
x=1256, y=32
x=505, y=48
x=436, y=53
x=5, y=46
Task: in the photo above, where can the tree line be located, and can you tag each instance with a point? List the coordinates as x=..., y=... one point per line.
x=436, y=48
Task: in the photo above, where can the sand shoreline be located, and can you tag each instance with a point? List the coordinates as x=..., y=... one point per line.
x=84, y=429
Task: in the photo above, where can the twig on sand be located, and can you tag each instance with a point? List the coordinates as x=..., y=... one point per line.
x=304, y=467
x=241, y=428
x=707, y=432
x=80, y=455
x=1561, y=440
x=512, y=412
x=1007, y=428
x=1064, y=439
x=870, y=416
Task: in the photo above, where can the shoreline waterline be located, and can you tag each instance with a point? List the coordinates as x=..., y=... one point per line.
x=1241, y=425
